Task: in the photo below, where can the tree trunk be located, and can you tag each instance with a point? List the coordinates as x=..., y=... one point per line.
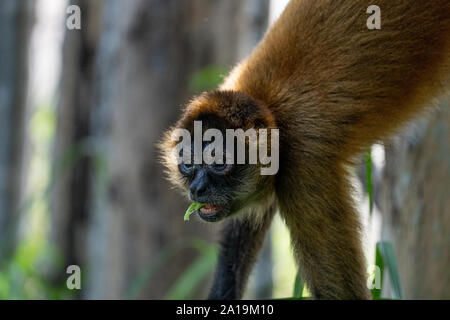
x=15, y=24
x=415, y=204
x=72, y=162
x=149, y=50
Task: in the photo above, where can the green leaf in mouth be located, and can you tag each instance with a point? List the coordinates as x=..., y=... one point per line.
x=192, y=208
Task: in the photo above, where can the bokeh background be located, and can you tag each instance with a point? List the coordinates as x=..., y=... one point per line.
x=80, y=179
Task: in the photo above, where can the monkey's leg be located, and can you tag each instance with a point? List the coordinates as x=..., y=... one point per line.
x=241, y=242
x=325, y=232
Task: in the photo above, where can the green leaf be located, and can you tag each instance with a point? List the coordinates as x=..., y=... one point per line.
x=387, y=252
x=298, y=287
x=192, y=208
x=379, y=262
x=194, y=274
x=369, y=179
x=143, y=277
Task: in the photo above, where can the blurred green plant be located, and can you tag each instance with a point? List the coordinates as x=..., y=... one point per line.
x=369, y=179
x=298, y=286
x=385, y=260
x=189, y=280
x=207, y=78
x=376, y=292
x=195, y=274
x=384, y=252
x=23, y=275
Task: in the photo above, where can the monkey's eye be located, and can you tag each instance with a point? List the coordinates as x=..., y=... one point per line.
x=186, y=168
x=221, y=168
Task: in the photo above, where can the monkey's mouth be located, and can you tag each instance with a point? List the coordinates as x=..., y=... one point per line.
x=211, y=212
x=209, y=209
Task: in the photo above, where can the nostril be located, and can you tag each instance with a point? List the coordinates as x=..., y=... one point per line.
x=201, y=189
x=197, y=189
x=199, y=185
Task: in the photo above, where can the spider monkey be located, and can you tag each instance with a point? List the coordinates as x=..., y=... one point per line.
x=332, y=88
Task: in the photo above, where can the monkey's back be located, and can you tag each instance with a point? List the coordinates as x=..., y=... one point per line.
x=320, y=70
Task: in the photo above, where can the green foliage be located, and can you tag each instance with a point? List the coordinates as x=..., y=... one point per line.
x=298, y=286
x=144, y=277
x=369, y=179
x=376, y=293
x=385, y=257
x=189, y=280
x=207, y=78
x=384, y=252
x=24, y=274
x=194, y=275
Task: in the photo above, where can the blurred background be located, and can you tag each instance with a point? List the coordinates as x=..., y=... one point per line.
x=81, y=183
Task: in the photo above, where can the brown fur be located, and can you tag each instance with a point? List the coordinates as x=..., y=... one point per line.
x=333, y=88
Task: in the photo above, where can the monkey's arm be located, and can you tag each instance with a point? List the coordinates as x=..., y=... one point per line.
x=325, y=230
x=241, y=242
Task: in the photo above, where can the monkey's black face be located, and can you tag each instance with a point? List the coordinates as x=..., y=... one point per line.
x=224, y=189
x=211, y=124
x=210, y=185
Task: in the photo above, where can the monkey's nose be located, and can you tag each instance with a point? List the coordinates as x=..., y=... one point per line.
x=198, y=188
